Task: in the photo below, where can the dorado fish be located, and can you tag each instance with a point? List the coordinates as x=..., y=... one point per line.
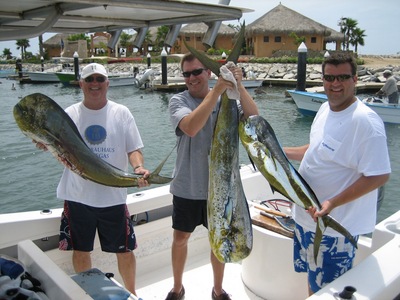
x=41, y=119
x=262, y=146
x=229, y=221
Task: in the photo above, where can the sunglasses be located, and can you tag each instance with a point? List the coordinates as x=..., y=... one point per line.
x=98, y=79
x=340, y=78
x=195, y=72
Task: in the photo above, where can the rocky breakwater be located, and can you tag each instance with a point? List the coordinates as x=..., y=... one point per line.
x=266, y=71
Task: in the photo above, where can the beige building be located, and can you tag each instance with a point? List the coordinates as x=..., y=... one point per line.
x=272, y=32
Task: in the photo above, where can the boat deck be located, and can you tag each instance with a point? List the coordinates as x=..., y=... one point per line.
x=154, y=271
x=198, y=282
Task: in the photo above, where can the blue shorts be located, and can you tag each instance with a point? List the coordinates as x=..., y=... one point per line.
x=79, y=223
x=188, y=214
x=335, y=257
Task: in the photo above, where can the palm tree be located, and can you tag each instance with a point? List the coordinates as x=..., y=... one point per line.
x=124, y=40
x=7, y=53
x=23, y=44
x=357, y=38
x=347, y=25
x=41, y=51
x=162, y=32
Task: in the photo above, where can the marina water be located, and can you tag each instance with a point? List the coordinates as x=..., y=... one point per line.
x=29, y=176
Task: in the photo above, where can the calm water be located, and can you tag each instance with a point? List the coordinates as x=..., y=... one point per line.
x=29, y=177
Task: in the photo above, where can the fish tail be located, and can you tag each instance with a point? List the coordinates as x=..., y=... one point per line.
x=155, y=177
x=323, y=223
x=237, y=49
x=332, y=223
x=214, y=65
x=204, y=59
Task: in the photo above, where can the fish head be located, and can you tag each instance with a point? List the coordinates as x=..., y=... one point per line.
x=31, y=114
x=258, y=129
x=248, y=129
x=225, y=250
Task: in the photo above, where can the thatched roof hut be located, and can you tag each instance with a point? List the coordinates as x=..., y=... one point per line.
x=335, y=37
x=283, y=20
x=199, y=29
x=55, y=40
x=272, y=32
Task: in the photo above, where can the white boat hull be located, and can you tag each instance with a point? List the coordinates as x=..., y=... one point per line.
x=122, y=80
x=247, y=83
x=266, y=274
x=43, y=77
x=309, y=103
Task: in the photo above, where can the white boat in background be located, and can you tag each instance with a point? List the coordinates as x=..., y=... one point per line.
x=7, y=72
x=267, y=273
x=247, y=83
x=178, y=83
x=308, y=104
x=115, y=79
x=42, y=77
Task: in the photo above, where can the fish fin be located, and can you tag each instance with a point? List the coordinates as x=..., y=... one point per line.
x=155, y=177
x=252, y=163
x=332, y=223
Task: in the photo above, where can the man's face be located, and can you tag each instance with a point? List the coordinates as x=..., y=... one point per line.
x=341, y=90
x=196, y=78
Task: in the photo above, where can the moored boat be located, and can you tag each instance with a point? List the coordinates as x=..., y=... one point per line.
x=308, y=104
x=177, y=83
x=122, y=79
x=42, y=77
x=6, y=73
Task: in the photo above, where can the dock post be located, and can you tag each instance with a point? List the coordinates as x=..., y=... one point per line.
x=42, y=63
x=76, y=65
x=164, y=70
x=18, y=67
x=148, y=60
x=301, y=67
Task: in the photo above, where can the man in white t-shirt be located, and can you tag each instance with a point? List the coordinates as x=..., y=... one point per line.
x=110, y=131
x=345, y=162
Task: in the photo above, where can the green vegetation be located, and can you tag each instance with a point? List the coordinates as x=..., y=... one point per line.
x=352, y=34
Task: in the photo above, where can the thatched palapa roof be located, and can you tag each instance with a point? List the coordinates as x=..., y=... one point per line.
x=56, y=39
x=283, y=20
x=335, y=36
x=201, y=28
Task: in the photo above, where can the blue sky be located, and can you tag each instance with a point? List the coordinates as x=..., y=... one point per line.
x=379, y=19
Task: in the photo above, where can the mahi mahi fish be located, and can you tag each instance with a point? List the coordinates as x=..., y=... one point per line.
x=229, y=221
x=41, y=119
x=262, y=146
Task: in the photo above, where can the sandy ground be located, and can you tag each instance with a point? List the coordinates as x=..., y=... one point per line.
x=380, y=62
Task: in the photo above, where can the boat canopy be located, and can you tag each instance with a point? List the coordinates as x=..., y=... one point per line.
x=21, y=19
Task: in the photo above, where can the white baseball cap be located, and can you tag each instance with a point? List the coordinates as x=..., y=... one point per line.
x=93, y=68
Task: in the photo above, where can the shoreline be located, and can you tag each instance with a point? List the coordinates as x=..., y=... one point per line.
x=370, y=71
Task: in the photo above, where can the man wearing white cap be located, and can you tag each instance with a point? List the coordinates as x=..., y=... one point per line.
x=110, y=131
x=390, y=88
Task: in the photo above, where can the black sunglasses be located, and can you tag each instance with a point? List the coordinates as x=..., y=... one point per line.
x=98, y=79
x=195, y=72
x=340, y=78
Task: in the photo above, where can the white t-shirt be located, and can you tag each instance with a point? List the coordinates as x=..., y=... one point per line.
x=111, y=133
x=343, y=146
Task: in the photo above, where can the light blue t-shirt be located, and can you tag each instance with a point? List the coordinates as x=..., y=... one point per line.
x=191, y=168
